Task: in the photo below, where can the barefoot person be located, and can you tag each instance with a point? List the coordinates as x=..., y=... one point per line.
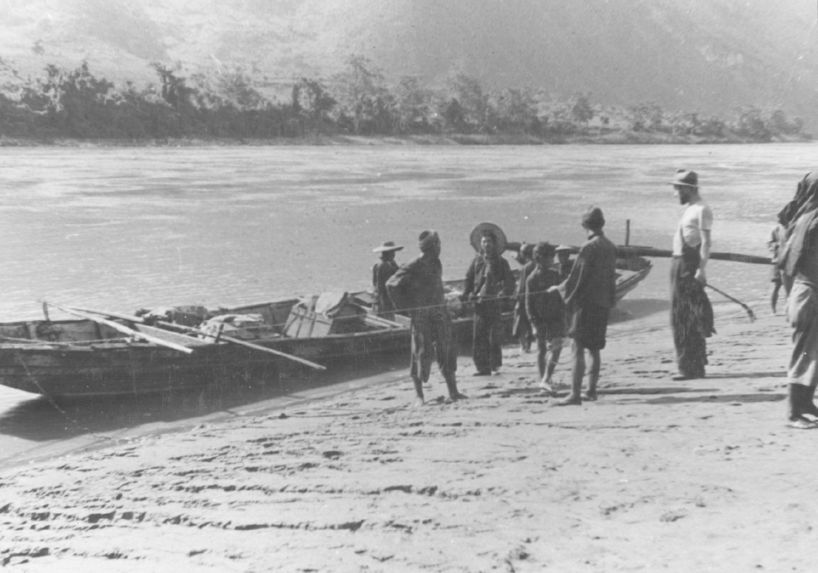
x=381, y=271
x=489, y=284
x=799, y=265
x=418, y=288
x=546, y=313
x=691, y=315
x=589, y=293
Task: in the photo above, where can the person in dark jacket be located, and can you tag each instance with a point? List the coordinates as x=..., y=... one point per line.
x=589, y=293
x=489, y=284
x=381, y=271
x=417, y=288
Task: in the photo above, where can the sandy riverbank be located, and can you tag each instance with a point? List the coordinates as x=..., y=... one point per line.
x=656, y=475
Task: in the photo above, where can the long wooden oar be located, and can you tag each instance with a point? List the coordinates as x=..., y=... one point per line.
x=635, y=251
x=716, y=256
x=121, y=328
x=230, y=339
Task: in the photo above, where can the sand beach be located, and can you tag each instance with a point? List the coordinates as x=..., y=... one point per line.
x=655, y=476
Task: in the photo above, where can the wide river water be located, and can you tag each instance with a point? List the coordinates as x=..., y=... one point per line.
x=123, y=228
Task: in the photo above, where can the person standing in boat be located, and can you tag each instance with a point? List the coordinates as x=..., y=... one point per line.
x=489, y=283
x=417, y=287
x=521, y=327
x=589, y=293
x=691, y=314
x=546, y=313
x=381, y=271
x=798, y=262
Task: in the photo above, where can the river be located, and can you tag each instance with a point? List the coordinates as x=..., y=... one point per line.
x=124, y=228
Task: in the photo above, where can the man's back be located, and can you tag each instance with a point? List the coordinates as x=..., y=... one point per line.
x=593, y=278
x=418, y=283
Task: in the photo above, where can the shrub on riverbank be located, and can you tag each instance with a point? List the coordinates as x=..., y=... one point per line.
x=74, y=105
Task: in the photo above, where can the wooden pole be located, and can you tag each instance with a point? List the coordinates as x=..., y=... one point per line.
x=652, y=252
x=123, y=329
x=627, y=232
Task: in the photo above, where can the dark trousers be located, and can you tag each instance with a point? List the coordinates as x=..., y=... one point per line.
x=487, y=349
x=432, y=338
x=691, y=316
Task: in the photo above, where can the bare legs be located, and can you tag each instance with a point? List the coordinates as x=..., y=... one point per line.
x=578, y=373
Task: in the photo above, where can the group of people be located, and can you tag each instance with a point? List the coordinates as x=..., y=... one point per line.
x=573, y=298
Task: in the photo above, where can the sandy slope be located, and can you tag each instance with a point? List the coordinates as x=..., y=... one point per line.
x=657, y=475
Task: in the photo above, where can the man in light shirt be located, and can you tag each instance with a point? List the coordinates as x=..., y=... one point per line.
x=691, y=315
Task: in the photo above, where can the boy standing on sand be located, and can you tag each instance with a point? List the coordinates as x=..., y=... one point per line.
x=589, y=294
x=417, y=287
x=546, y=313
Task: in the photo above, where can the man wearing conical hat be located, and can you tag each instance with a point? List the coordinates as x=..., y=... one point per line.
x=490, y=285
x=381, y=271
x=417, y=288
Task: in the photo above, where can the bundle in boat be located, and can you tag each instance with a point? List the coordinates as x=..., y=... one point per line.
x=324, y=314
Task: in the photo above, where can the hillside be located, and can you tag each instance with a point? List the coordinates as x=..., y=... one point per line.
x=706, y=55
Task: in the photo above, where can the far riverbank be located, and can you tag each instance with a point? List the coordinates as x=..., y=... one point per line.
x=602, y=138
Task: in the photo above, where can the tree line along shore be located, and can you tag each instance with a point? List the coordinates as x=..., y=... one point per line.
x=65, y=106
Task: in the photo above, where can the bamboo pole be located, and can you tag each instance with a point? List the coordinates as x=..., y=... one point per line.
x=122, y=328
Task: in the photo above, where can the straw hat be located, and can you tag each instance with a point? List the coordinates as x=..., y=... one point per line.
x=477, y=234
x=561, y=248
x=387, y=246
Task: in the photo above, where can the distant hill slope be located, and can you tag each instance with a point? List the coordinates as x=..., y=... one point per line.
x=706, y=55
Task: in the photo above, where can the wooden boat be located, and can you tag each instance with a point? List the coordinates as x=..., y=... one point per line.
x=98, y=354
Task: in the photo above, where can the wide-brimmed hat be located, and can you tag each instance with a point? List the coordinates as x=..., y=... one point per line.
x=482, y=228
x=686, y=178
x=387, y=246
x=561, y=248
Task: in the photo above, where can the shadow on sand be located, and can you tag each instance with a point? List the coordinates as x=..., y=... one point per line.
x=719, y=399
x=773, y=374
x=42, y=419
